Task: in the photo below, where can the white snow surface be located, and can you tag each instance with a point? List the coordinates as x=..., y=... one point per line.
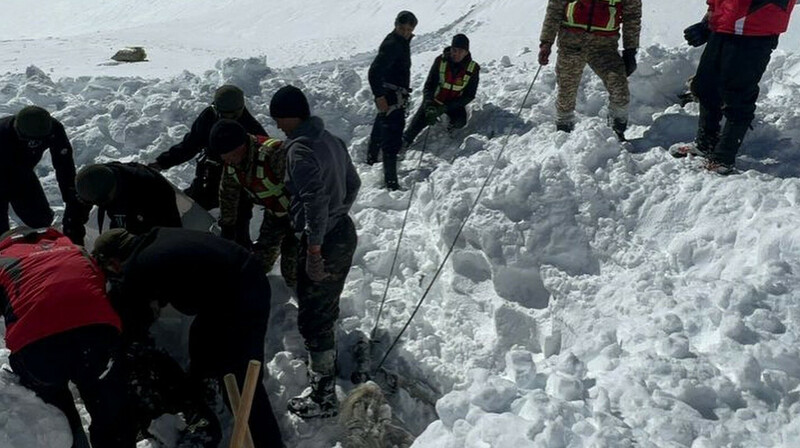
x=599, y=295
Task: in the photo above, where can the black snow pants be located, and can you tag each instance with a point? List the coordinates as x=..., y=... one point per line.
x=21, y=189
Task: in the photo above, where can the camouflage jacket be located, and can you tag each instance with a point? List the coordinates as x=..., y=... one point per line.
x=260, y=176
x=631, y=20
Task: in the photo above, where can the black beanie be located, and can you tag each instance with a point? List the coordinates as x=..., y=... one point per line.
x=289, y=102
x=96, y=184
x=33, y=122
x=229, y=98
x=226, y=135
x=406, y=18
x=460, y=41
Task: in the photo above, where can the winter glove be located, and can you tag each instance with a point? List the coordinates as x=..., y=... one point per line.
x=75, y=216
x=545, y=49
x=629, y=57
x=315, y=266
x=432, y=112
x=228, y=232
x=697, y=34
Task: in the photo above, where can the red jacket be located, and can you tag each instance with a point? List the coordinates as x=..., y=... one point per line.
x=47, y=286
x=750, y=17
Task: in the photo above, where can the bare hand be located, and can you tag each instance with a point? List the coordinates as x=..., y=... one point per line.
x=382, y=104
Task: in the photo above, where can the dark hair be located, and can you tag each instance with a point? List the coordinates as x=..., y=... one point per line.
x=406, y=18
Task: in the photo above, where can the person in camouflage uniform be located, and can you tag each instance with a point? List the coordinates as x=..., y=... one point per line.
x=256, y=165
x=588, y=33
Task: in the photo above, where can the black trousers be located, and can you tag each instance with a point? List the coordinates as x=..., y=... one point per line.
x=318, y=302
x=387, y=138
x=225, y=341
x=204, y=190
x=22, y=190
x=81, y=356
x=456, y=115
x=726, y=83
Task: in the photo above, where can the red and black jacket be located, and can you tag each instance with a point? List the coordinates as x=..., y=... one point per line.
x=47, y=286
x=750, y=17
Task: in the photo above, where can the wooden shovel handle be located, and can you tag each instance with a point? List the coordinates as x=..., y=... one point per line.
x=241, y=411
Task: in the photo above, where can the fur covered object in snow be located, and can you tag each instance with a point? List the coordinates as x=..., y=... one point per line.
x=366, y=418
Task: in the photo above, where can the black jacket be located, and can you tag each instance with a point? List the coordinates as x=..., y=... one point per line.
x=196, y=272
x=197, y=139
x=16, y=155
x=432, y=82
x=144, y=199
x=392, y=64
x=321, y=178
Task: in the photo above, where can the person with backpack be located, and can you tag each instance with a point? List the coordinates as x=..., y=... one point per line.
x=323, y=183
x=24, y=138
x=254, y=170
x=390, y=81
x=215, y=280
x=61, y=328
x=588, y=32
x=451, y=84
x=204, y=190
x=134, y=196
x=739, y=36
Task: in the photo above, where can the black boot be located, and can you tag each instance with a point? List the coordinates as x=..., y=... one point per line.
x=730, y=141
x=390, y=172
x=619, y=125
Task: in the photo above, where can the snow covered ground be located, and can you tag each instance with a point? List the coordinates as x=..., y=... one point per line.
x=599, y=295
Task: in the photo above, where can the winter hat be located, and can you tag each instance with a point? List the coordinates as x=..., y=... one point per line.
x=96, y=184
x=289, y=102
x=226, y=135
x=33, y=122
x=229, y=98
x=460, y=41
x=114, y=243
x=406, y=18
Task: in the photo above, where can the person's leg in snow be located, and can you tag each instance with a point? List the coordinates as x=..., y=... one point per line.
x=318, y=304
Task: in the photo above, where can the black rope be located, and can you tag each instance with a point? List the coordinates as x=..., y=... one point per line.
x=400, y=239
x=461, y=228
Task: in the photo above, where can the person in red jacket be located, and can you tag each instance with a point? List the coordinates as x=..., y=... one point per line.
x=61, y=327
x=739, y=36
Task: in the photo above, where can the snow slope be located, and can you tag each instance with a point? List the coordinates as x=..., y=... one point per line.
x=664, y=297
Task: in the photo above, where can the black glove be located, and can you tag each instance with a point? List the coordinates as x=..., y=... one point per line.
x=315, y=266
x=75, y=216
x=629, y=57
x=228, y=232
x=432, y=112
x=697, y=34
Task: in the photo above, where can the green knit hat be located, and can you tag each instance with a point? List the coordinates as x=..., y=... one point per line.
x=33, y=123
x=114, y=243
x=96, y=184
x=229, y=98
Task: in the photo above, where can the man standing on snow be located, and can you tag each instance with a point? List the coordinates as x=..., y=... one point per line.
x=588, y=33
x=134, y=196
x=23, y=139
x=256, y=166
x=324, y=184
x=228, y=103
x=60, y=327
x=390, y=79
x=201, y=275
x=739, y=36
x=451, y=84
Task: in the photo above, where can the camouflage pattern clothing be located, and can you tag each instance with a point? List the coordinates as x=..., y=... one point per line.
x=578, y=47
x=260, y=176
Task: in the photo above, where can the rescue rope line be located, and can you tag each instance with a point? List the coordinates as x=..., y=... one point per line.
x=400, y=239
x=463, y=223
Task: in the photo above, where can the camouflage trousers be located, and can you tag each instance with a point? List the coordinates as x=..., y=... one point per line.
x=276, y=237
x=575, y=50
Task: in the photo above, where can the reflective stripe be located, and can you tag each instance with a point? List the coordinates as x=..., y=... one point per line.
x=444, y=85
x=610, y=26
x=265, y=188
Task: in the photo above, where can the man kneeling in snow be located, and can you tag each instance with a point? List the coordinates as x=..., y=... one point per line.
x=450, y=86
x=61, y=328
x=215, y=280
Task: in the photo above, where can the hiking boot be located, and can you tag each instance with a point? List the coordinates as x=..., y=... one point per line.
x=619, y=126
x=719, y=167
x=702, y=145
x=318, y=400
x=566, y=127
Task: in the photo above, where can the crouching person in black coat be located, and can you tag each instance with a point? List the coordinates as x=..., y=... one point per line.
x=199, y=274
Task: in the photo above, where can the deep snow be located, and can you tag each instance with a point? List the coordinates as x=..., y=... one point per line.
x=673, y=290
